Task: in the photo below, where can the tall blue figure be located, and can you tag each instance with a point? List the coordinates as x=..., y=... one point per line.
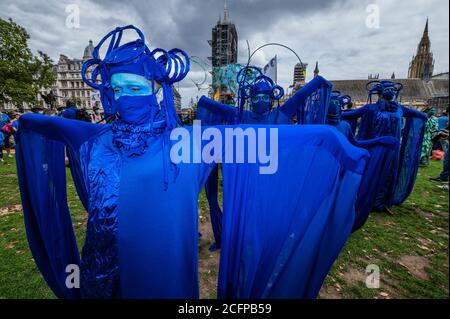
x=125, y=180
x=382, y=150
x=387, y=117
x=259, y=94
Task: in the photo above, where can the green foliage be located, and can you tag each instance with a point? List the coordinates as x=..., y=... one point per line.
x=22, y=74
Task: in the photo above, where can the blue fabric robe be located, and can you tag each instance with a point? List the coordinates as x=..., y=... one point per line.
x=309, y=104
x=123, y=240
x=382, y=119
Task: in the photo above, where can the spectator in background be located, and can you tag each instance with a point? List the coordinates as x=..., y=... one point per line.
x=15, y=124
x=2, y=145
x=37, y=110
x=443, y=177
x=5, y=128
x=443, y=121
x=431, y=130
x=82, y=115
x=71, y=110
x=97, y=116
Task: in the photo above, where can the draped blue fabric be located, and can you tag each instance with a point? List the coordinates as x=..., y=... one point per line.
x=407, y=125
x=310, y=103
x=42, y=182
x=382, y=150
x=123, y=240
x=412, y=137
x=313, y=101
x=282, y=232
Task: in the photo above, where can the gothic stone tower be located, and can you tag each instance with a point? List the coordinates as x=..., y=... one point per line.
x=422, y=64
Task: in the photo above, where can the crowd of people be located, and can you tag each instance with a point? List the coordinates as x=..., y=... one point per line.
x=9, y=122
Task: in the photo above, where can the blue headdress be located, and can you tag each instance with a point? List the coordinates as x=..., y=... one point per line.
x=388, y=89
x=165, y=67
x=252, y=82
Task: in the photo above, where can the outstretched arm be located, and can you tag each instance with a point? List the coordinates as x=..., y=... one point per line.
x=354, y=114
x=42, y=180
x=407, y=112
x=215, y=113
x=290, y=107
x=70, y=132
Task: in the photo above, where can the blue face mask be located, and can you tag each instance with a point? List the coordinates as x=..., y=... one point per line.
x=133, y=99
x=389, y=93
x=136, y=109
x=261, y=103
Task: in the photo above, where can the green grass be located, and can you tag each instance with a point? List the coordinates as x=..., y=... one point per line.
x=417, y=231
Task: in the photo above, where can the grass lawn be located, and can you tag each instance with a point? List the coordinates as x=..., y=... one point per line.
x=410, y=248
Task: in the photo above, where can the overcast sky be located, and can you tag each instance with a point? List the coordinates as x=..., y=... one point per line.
x=334, y=32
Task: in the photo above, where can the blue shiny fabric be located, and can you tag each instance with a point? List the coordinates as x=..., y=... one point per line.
x=123, y=240
x=281, y=243
x=386, y=119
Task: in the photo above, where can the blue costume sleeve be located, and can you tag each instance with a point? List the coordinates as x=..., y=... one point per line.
x=211, y=112
x=310, y=102
x=289, y=254
x=410, y=150
x=353, y=116
x=42, y=183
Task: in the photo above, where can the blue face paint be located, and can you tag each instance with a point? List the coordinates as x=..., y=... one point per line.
x=133, y=97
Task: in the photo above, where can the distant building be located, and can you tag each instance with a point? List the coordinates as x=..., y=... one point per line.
x=69, y=85
x=416, y=93
x=224, y=42
x=420, y=90
x=299, y=75
x=224, y=51
x=316, y=69
x=422, y=64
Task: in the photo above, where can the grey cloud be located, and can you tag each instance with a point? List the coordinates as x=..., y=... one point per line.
x=332, y=32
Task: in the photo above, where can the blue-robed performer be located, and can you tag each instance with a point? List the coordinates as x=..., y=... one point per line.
x=140, y=242
x=259, y=95
x=387, y=117
x=382, y=151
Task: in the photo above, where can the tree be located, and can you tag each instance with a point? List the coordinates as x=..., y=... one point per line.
x=22, y=74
